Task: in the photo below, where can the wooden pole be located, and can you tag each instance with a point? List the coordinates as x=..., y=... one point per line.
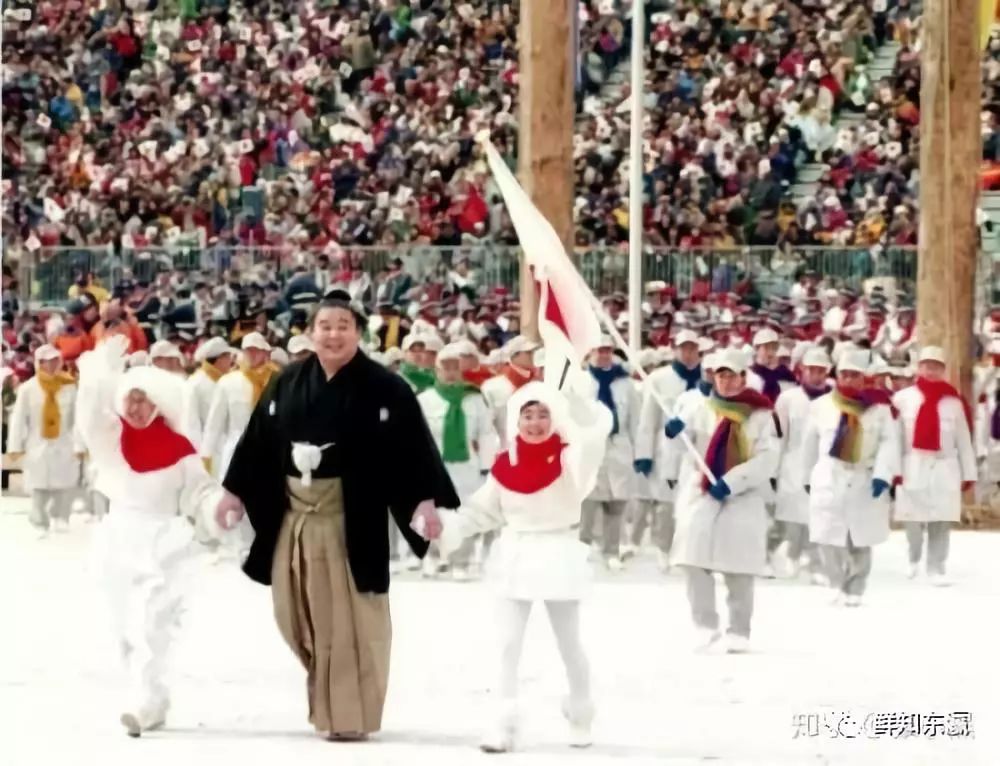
x=950, y=150
x=545, y=141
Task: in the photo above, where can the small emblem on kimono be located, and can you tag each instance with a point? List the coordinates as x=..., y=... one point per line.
x=383, y=415
x=551, y=458
x=271, y=409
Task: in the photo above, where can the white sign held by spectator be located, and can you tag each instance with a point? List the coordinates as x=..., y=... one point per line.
x=246, y=146
x=44, y=122
x=32, y=243
x=194, y=45
x=345, y=69
x=148, y=149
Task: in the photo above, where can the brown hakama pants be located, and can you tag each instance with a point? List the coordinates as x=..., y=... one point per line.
x=342, y=637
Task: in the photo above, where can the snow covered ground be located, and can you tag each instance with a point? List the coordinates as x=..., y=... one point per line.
x=239, y=696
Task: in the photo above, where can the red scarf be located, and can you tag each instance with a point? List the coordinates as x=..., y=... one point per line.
x=538, y=465
x=927, y=429
x=154, y=447
x=516, y=377
x=477, y=376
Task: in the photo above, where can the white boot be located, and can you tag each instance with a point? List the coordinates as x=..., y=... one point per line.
x=914, y=570
x=580, y=715
x=705, y=639
x=614, y=564
x=736, y=644
x=663, y=561
x=147, y=717
x=501, y=735
x=429, y=567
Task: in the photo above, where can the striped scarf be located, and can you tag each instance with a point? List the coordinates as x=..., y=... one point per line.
x=853, y=403
x=728, y=446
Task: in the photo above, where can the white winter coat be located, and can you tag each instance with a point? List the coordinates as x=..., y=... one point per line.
x=932, y=481
x=792, y=409
x=840, y=498
x=480, y=434
x=198, y=392
x=539, y=554
x=726, y=537
x=651, y=442
x=47, y=463
x=228, y=415
x=617, y=479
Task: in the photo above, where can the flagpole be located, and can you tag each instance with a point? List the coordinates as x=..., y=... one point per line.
x=635, y=178
x=631, y=355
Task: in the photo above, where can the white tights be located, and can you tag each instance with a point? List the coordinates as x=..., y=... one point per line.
x=564, y=616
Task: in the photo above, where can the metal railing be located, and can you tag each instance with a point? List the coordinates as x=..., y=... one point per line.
x=47, y=274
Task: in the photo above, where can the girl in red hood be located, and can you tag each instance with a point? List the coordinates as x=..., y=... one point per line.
x=158, y=493
x=534, y=495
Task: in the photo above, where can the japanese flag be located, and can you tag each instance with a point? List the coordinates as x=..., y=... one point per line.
x=566, y=321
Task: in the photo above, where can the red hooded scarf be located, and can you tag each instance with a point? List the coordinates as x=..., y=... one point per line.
x=154, y=447
x=538, y=465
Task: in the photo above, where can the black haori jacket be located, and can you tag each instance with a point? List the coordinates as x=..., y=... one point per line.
x=386, y=458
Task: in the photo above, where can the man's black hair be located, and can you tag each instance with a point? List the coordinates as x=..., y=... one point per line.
x=340, y=299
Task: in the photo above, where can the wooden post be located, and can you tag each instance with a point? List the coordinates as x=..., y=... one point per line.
x=545, y=139
x=950, y=151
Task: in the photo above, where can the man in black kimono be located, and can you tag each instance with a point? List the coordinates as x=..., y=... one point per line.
x=334, y=441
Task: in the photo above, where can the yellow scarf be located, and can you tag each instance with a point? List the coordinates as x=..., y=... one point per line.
x=51, y=416
x=258, y=377
x=213, y=372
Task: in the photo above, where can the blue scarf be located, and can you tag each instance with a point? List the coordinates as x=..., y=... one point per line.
x=691, y=377
x=705, y=387
x=604, y=380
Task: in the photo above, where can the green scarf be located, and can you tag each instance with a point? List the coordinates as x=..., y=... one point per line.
x=419, y=377
x=456, y=443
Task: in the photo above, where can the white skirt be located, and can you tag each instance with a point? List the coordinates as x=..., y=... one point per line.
x=539, y=566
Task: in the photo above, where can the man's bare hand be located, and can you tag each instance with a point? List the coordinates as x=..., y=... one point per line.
x=229, y=511
x=426, y=521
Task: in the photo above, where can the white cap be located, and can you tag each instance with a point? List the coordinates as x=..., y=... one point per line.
x=412, y=338
x=606, y=342
x=685, y=336
x=855, y=360
x=932, y=354
x=878, y=366
x=816, y=357
x=433, y=343
x=709, y=361
x=450, y=353
x=495, y=357
x=138, y=359
x=649, y=357
x=299, y=343
x=212, y=348
x=784, y=352
x=764, y=336
x=731, y=359
x=705, y=345
x=519, y=344
x=901, y=372
x=47, y=352
x=467, y=348
x=255, y=340
x=164, y=349
x=279, y=356
x=392, y=356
